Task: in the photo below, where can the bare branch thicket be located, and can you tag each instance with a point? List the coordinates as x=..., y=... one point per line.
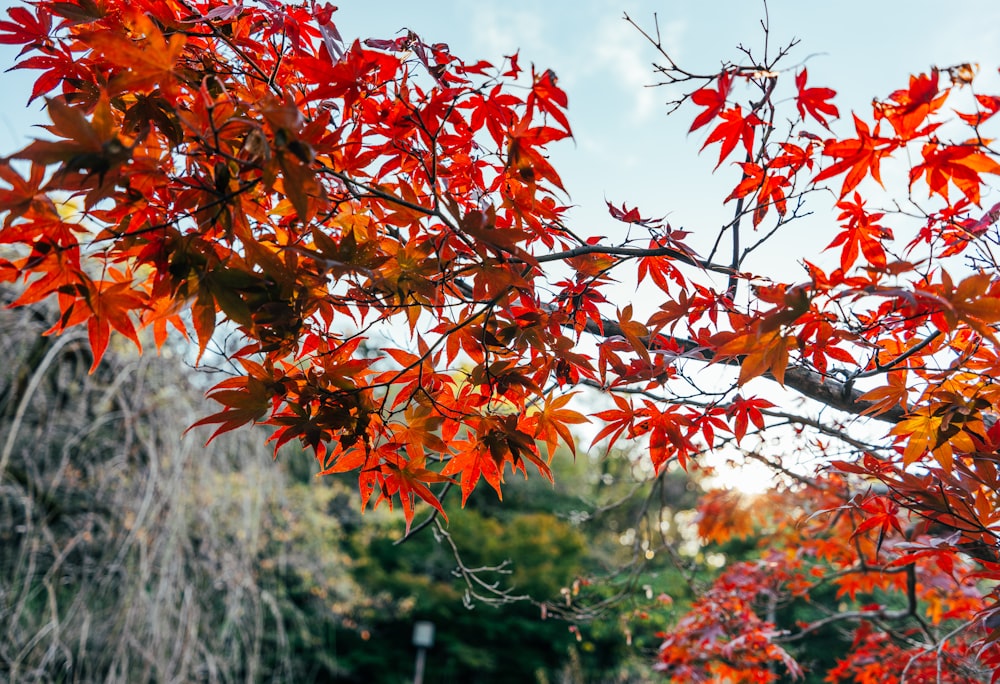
x=128, y=551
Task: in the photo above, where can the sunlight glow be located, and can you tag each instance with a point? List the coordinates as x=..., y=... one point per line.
x=750, y=477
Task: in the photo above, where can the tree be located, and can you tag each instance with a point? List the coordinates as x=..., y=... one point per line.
x=113, y=567
x=380, y=227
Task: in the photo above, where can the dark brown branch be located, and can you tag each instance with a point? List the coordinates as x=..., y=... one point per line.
x=828, y=391
x=910, y=611
x=426, y=522
x=677, y=254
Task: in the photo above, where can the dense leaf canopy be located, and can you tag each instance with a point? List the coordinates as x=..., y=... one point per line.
x=380, y=226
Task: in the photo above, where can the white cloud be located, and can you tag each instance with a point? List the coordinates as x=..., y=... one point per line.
x=625, y=53
x=503, y=30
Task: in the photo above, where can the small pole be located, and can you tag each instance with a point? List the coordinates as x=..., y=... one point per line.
x=418, y=675
x=423, y=638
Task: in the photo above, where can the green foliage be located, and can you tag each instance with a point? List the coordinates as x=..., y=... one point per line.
x=505, y=643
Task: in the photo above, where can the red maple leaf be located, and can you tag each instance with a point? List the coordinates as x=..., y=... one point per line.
x=25, y=28
x=814, y=100
x=907, y=110
x=734, y=127
x=990, y=105
x=861, y=232
x=858, y=157
x=958, y=164
x=714, y=101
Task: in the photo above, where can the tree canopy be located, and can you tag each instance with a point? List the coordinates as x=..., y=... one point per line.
x=378, y=233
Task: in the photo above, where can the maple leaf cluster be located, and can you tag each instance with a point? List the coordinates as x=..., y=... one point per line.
x=380, y=225
x=243, y=162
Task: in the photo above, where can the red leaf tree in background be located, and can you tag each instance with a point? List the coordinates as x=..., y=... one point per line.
x=381, y=226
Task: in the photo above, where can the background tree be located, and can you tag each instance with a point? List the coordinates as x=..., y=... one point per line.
x=113, y=565
x=330, y=200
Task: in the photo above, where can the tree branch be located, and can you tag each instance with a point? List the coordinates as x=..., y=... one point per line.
x=805, y=381
x=636, y=252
